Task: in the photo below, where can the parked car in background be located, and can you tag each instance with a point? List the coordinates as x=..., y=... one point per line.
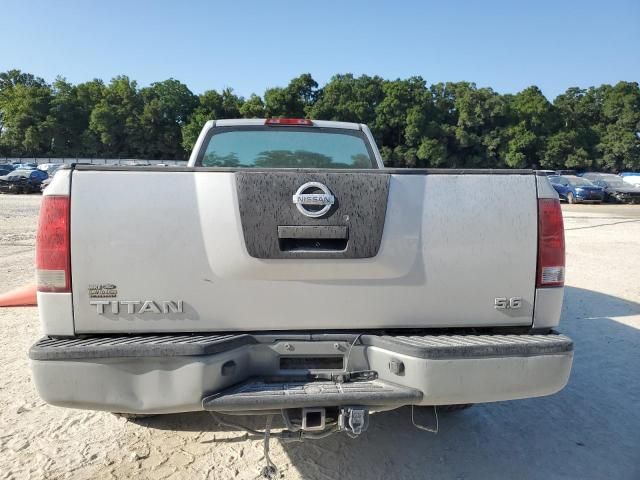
x=17, y=166
x=22, y=180
x=566, y=172
x=576, y=189
x=32, y=173
x=12, y=185
x=4, y=169
x=615, y=188
x=18, y=184
x=50, y=168
x=45, y=183
x=632, y=178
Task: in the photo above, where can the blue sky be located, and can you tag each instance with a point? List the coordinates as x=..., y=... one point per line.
x=507, y=45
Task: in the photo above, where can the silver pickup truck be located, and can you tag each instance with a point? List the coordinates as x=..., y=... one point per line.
x=286, y=270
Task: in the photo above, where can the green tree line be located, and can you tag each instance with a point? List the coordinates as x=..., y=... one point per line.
x=453, y=124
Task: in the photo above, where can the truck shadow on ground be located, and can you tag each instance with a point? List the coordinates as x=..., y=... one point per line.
x=582, y=432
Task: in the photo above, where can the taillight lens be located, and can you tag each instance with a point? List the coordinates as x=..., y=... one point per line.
x=550, y=244
x=53, y=256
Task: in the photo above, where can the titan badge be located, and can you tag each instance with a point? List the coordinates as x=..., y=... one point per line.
x=144, y=306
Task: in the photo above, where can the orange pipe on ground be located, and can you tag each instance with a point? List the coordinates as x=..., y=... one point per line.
x=20, y=297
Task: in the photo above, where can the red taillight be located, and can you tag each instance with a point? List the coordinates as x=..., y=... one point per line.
x=53, y=256
x=289, y=121
x=550, y=244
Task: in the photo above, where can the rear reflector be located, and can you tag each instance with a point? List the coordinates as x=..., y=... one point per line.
x=53, y=259
x=289, y=121
x=550, y=244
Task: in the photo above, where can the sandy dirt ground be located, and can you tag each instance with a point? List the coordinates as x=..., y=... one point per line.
x=590, y=430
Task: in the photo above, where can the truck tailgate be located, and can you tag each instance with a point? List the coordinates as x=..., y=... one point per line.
x=188, y=250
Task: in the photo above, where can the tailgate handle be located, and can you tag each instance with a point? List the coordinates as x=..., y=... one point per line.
x=315, y=232
x=316, y=238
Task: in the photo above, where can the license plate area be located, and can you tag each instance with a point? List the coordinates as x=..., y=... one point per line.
x=312, y=244
x=333, y=362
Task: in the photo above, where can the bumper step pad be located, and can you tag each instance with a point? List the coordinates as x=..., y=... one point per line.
x=260, y=395
x=471, y=346
x=422, y=346
x=136, y=346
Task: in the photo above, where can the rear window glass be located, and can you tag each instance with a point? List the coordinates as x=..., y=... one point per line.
x=286, y=147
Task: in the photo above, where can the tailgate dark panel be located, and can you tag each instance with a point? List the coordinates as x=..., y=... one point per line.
x=265, y=200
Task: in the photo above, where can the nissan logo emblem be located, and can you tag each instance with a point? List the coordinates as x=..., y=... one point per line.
x=323, y=198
